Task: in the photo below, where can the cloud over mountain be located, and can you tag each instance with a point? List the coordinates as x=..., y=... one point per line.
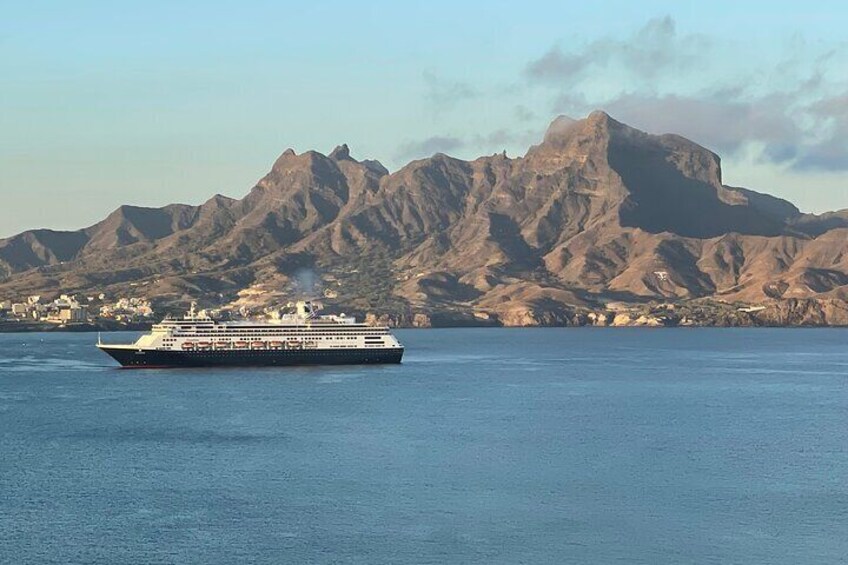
x=791, y=111
x=654, y=49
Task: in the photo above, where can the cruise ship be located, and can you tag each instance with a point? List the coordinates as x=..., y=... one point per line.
x=300, y=338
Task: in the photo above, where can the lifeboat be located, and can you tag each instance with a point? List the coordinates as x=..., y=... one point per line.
x=241, y=345
x=188, y=346
x=223, y=345
x=257, y=345
x=294, y=344
x=204, y=345
x=275, y=345
x=310, y=345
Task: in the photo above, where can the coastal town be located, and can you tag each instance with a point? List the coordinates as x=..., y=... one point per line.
x=68, y=311
x=73, y=312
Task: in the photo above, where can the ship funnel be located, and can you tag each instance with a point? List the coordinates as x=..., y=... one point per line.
x=304, y=309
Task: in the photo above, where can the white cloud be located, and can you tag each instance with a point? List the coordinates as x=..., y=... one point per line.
x=665, y=82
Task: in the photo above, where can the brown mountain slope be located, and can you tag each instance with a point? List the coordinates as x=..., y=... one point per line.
x=597, y=212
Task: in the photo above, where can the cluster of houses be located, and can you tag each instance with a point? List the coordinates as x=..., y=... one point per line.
x=70, y=309
x=63, y=310
x=127, y=310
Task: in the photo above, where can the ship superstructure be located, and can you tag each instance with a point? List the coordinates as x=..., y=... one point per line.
x=301, y=338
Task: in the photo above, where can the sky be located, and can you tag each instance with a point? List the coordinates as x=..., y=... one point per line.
x=148, y=103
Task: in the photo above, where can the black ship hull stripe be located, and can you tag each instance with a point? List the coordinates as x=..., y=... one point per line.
x=137, y=358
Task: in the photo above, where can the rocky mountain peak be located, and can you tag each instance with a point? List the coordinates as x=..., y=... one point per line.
x=307, y=163
x=559, y=127
x=599, y=117
x=341, y=153
x=564, y=129
x=285, y=160
x=569, y=142
x=375, y=167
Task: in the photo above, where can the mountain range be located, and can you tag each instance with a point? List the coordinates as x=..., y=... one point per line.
x=597, y=217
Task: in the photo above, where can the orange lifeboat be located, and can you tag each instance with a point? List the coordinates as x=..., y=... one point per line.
x=275, y=345
x=241, y=345
x=204, y=345
x=294, y=344
x=257, y=345
x=223, y=345
x=188, y=346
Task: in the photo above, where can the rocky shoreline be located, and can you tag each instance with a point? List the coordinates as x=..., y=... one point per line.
x=695, y=313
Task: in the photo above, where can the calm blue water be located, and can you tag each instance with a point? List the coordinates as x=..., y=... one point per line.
x=485, y=446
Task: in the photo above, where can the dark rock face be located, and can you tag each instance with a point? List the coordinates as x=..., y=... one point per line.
x=597, y=212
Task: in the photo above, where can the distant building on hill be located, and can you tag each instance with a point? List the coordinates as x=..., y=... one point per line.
x=69, y=315
x=127, y=310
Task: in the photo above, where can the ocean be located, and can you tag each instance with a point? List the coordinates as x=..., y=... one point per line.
x=485, y=446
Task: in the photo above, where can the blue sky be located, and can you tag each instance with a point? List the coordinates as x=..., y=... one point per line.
x=105, y=103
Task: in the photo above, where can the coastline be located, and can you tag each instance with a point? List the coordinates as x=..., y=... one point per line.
x=789, y=313
x=26, y=327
